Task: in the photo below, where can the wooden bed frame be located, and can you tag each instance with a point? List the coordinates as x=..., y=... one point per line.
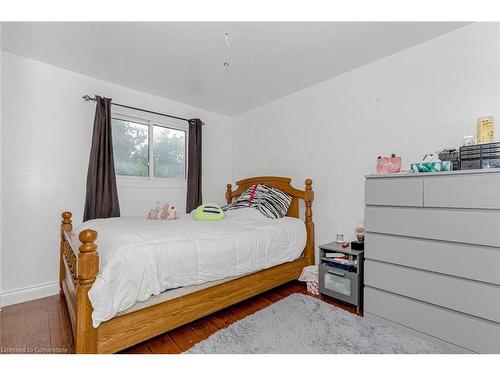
x=79, y=268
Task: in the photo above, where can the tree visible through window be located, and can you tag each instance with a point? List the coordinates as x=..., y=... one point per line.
x=131, y=148
x=169, y=149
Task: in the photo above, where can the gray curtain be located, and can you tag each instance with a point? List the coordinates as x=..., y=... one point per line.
x=194, y=166
x=102, y=195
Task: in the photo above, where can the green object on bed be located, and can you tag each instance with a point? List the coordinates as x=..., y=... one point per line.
x=209, y=212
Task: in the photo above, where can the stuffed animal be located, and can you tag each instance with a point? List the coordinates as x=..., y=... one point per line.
x=171, y=212
x=154, y=213
x=162, y=213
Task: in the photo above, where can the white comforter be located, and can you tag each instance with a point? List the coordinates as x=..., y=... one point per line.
x=140, y=258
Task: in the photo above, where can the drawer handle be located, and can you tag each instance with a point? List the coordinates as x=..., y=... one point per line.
x=336, y=273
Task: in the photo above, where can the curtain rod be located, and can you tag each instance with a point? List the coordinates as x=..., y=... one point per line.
x=88, y=98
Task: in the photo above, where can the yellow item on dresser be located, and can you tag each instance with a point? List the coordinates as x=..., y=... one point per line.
x=485, y=129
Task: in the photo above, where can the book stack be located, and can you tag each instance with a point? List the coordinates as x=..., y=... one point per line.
x=341, y=261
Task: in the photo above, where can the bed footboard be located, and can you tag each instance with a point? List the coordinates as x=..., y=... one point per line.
x=78, y=271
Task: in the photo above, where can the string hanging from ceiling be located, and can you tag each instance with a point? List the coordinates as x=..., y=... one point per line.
x=228, y=52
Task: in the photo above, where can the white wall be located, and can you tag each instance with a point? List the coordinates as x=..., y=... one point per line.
x=46, y=135
x=410, y=103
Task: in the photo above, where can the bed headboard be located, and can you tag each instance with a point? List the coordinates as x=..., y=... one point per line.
x=283, y=184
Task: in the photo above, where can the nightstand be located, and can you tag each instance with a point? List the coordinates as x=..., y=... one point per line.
x=340, y=278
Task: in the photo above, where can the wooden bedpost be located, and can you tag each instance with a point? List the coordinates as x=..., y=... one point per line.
x=308, y=198
x=229, y=192
x=66, y=226
x=88, y=267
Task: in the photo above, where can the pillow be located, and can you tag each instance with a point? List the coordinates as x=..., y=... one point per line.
x=271, y=202
x=243, y=201
x=209, y=212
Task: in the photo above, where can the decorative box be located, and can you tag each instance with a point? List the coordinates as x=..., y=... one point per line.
x=313, y=287
x=431, y=166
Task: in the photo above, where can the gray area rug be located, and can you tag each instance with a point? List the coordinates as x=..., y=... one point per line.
x=303, y=324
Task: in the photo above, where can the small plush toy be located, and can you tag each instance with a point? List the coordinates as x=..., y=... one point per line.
x=154, y=213
x=163, y=213
x=171, y=212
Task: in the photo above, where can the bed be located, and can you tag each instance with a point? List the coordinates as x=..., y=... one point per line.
x=158, y=295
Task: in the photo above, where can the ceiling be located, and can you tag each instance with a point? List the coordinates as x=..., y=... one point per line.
x=183, y=61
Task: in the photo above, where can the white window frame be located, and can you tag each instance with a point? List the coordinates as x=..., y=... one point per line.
x=151, y=121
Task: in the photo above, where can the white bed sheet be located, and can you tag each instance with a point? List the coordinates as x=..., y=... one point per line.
x=140, y=258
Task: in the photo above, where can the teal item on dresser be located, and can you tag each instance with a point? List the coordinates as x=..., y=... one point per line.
x=431, y=166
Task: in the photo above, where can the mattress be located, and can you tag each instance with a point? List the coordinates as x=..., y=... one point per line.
x=140, y=258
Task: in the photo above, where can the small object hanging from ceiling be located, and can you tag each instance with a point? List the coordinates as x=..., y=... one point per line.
x=228, y=53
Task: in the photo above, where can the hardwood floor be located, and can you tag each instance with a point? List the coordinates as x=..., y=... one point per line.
x=42, y=326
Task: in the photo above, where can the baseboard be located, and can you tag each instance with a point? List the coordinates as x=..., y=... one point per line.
x=29, y=293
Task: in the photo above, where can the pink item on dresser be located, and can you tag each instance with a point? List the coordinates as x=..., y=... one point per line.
x=386, y=164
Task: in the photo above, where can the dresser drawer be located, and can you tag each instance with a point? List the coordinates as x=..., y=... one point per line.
x=467, y=296
x=458, y=225
x=393, y=191
x=463, y=191
x=472, y=333
x=463, y=260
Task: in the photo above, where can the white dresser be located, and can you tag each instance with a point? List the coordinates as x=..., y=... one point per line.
x=433, y=255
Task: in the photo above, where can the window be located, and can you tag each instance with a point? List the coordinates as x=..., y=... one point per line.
x=130, y=148
x=147, y=149
x=169, y=152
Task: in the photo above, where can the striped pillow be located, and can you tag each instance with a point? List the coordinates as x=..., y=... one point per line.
x=243, y=201
x=271, y=202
